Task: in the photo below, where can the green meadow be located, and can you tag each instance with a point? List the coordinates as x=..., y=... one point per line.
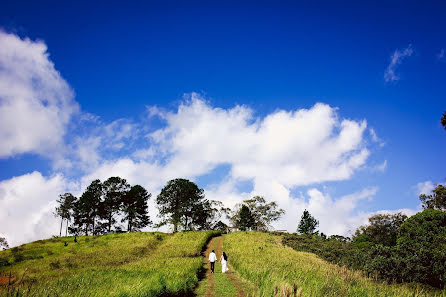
x=159, y=264
x=278, y=270
x=131, y=264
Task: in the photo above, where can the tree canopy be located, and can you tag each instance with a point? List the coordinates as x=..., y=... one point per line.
x=3, y=243
x=436, y=200
x=422, y=246
x=382, y=229
x=96, y=210
x=262, y=213
x=245, y=220
x=307, y=224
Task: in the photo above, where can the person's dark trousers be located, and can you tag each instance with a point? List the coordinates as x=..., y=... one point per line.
x=212, y=267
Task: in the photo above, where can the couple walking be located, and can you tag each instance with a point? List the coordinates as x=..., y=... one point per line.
x=223, y=259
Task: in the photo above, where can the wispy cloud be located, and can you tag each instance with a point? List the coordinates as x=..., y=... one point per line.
x=395, y=60
x=441, y=55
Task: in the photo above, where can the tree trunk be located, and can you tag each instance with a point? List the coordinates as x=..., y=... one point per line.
x=129, y=226
x=109, y=222
x=60, y=233
x=66, y=229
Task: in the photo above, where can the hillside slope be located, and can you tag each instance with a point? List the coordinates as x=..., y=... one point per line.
x=278, y=270
x=133, y=264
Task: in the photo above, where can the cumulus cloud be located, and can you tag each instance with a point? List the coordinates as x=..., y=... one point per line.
x=276, y=153
x=295, y=148
x=36, y=103
x=396, y=59
x=424, y=187
x=26, y=206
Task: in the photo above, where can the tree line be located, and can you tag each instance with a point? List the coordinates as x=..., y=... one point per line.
x=104, y=206
x=390, y=247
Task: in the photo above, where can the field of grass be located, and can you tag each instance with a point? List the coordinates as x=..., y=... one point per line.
x=278, y=270
x=133, y=264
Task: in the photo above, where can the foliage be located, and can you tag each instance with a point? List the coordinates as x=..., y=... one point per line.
x=436, y=200
x=64, y=210
x=422, y=246
x=307, y=224
x=134, y=208
x=182, y=204
x=246, y=220
x=382, y=229
x=263, y=213
x=3, y=243
x=220, y=226
x=262, y=259
x=132, y=264
x=94, y=212
x=115, y=189
x=418, y=255
x=260, y=216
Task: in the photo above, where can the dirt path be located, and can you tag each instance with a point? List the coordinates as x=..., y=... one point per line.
x=218, y=284
x=230, y=273
x=209, y=275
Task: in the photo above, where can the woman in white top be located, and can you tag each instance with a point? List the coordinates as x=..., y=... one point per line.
x=224, y=264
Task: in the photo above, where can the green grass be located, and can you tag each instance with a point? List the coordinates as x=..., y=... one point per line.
x=272, y=267
x=134, y=264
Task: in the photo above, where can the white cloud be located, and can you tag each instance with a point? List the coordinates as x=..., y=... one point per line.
x=26, y=206
x=36, y=103
x=293, y=147
x=380, y=167
x=424, y=188
x=277, y=153
x=395, y=60
x=375, y=138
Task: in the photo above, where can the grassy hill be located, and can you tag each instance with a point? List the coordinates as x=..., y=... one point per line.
x=158, y=264
x=278, y=270
x=133, y=264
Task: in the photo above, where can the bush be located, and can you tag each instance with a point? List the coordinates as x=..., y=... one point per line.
x=418, y=256
x=422, y=245
x=4, y=262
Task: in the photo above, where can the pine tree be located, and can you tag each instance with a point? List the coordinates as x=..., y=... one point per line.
x=307, y=224
x=246, y=220
x=134, y=208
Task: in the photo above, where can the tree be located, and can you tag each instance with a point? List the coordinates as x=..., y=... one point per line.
x=436, y=200
x=220, y=226
x=208, y=213
x=179, y=203
x=263, y=213
x=246, y=220
x=307, y=224
x=421, y=244
x=4, y=243
x=382, y=229
x=65, y=208
x=86, y=210
x=135, y=209
x=443, y=120
x=115, y=189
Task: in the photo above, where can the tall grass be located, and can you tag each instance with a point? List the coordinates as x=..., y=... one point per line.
x=135, y=264
x=280, y=270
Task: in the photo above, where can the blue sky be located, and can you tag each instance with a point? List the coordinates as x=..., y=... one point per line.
x=120, y=61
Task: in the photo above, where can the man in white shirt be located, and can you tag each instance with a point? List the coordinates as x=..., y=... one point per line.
x=212, y=259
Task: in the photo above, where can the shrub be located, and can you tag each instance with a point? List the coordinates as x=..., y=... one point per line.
x=422, y=245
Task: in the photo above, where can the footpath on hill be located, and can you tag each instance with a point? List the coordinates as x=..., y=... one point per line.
x=221, y=284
